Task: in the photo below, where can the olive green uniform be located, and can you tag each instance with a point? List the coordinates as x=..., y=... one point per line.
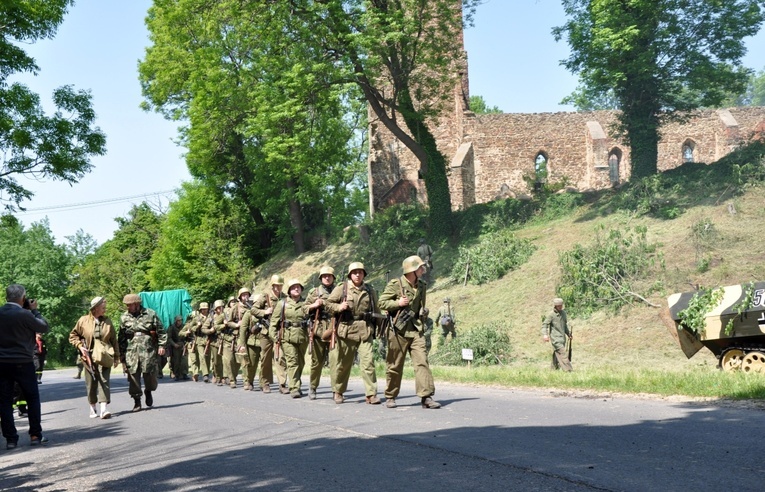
x=216, y=347
x=446, y=320
x=139, y=338
x=410, y=339
x=320, y=348
x=266, y=372
x=555, y=326
x=354, y=334
x=178, y=360
x=195, y=340
x=249, y=347
x=233, y=316
x=290, y=332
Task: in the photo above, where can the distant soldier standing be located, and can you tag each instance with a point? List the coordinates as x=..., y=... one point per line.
x=555, y=330
x=262, y=310
x=289, y=331
x=142, y=339
x=404, y=298
x=178, y=366
x=354, y=302
x=446, y=320
x=320, y=350
x=199, y=362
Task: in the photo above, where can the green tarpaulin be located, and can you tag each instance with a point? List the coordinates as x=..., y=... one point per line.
x=168, y=304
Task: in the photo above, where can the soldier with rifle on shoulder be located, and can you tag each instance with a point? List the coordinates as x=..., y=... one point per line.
x=354, y=303
x=262, y=311
x=320, y=327
x=555, y=330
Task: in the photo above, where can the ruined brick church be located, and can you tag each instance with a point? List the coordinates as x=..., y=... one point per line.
x=488, y=156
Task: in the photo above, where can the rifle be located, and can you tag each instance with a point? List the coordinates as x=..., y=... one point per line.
x=312, y=331
x=570, y=343
x=86, y=358
x=280, y=333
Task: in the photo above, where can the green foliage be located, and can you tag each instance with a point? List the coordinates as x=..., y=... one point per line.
x=394, y=233
x=495, y=254
x=742, y=307
x=606, y=274
x=493, y=216
x=32, y=258
x=201, y=245
x=33, y=144
x=703, y=236
x=753, y=95
x=693, y=317
x=479, y=106
x=490, y=344
x=655, y=65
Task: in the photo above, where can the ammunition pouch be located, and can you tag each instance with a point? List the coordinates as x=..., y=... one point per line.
x=403, y=319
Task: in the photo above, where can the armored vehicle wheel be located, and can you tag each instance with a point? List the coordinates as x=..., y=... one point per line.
x=754, y=362
x=732, y=359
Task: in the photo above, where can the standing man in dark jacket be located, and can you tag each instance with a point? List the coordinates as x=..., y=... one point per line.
x=17, y=345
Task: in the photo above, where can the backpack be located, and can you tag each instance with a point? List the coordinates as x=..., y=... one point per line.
x=446, y=320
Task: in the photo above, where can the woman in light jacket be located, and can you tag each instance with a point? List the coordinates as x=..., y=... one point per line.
x=89, y=327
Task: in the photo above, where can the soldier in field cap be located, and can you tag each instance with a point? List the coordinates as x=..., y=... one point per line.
x=555, y=330
x=142, y=339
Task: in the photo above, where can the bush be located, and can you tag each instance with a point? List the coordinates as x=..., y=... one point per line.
x=495, y=255
x=394, y=233
x=490, y=344
x=484, y=218
x=606, y=274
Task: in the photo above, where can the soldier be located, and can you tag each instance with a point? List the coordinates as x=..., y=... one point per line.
x=425, y=252
x=404, y=298
x=555, y=330
x=234, y=314
x=262, y=310
x=353, y=303
x=319, y=317
x=248, y=347
x=214, y=328
x=178, y=368
x=446, y=320
x=289, y=331
x=142, y=338
x=199, y=362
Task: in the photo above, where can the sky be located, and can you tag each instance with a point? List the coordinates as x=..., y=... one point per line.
x=514, y=63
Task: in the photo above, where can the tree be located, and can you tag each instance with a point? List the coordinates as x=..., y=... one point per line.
x=753, y=95
x=479, y=106
x=586, y=99
x=661, y=59
x=32, y=258
x=264, y=112
x=402, y=54
x=56, y=147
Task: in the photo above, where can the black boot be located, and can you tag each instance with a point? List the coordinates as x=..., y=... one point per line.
x=137, y=406
x=149, y=398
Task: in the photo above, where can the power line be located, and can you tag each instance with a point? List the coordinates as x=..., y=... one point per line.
x=95, y=203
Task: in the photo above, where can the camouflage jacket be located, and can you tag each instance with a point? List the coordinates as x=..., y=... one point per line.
x=139, y=337
x=416, y=295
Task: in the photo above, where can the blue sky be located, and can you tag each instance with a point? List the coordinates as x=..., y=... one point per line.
x=513, y=64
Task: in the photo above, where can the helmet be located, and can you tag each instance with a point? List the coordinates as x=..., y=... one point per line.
x=243, y=290
x=131, y=299
x=327, y=270
x=447, y=300
x=203, y=305
x=293, y=281
x=218, y=303
x=277, y=280
x=356, y=265
x=411, y=264
x=230, y=299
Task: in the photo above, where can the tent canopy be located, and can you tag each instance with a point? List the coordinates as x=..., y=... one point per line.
x=168, y=304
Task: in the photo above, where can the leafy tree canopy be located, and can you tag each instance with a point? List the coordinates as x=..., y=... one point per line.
x=479, y=106
x=32, y=143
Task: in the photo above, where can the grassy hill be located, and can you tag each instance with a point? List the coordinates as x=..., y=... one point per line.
x=705, y=220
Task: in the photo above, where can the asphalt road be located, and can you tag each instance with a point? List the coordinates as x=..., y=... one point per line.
x=201, y=437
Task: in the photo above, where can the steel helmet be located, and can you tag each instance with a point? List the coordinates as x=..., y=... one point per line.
x=203, y=305
x=356, y=265
x=243, y=290
x=277, y=280
x=218, y=303
x=411, y=264
x=293, y=281
x=327, y=270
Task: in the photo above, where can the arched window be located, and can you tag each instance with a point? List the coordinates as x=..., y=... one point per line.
x=540, y=167
x=689, y=151
x=614, y=160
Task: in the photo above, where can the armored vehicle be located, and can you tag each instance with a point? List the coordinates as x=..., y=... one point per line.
x=733, y=327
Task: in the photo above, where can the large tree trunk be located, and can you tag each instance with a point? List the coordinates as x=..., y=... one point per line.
x=296, y=218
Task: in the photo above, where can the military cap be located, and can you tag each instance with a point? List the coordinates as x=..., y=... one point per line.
x=96, y=301
x=131, y=299
x=277, y=280
x=411, y=264
x=557, y=301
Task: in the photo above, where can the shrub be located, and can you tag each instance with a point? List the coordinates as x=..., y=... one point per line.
x=394, y=233
x=494, y=255
x=606, y=273
x=490, y=344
